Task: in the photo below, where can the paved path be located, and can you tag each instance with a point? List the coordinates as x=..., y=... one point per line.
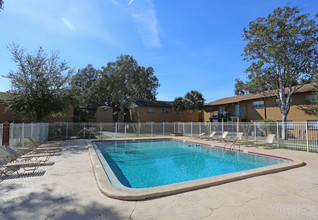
x=114, y=135
x=67, y=190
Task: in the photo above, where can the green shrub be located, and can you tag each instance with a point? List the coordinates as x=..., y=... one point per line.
x=89, y=134
x=265, y=125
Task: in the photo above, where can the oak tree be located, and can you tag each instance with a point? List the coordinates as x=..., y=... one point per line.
x=39, y=85
x=282, y=50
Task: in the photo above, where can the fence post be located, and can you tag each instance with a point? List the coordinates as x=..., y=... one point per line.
x=116, y=124
x=222, y=126
x=66, y=131
x=6, y=134
x=11, y=135
x=210, y=127
x=125, y=128
x=277, y=132
x=84, y=129
x=163, y=128
x=100, y=130
x=23, y=134
x=200, y=124
x=255, y=131
x=183, y=128
x=191, y=128
x=307, y=141
x=31, y=128
x=47, y=131
x=38, y=131
x=151, y=129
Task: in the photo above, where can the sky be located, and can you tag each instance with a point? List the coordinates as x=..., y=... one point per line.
x=192, y=45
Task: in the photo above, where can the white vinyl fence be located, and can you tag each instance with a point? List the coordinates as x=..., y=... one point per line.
x=298, y=135
x=19, y=133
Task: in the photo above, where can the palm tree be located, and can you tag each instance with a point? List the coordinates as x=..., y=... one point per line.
x=194, y=101
x=179, y=105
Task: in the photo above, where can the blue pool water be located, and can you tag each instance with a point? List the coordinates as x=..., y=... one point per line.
x=149, y=163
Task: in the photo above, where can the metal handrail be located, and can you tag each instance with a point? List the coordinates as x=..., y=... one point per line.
x=234, y=142
x=227, y=142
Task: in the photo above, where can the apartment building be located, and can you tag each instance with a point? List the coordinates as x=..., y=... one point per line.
x=257, y=107
x=159, y=111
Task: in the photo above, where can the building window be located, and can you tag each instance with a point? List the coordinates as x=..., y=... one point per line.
x=290, y=124
x=240, y=110
x=310, y=99
x=278, y=102
x=221, y=109
x=312, y=124
x=164, y=111
x=150, y=110
x=258, y=104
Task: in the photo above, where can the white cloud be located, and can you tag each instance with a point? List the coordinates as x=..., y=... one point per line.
x=143, y=14
x=68, y=24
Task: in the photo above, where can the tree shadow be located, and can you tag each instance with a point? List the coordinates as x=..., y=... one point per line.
x=46, y=205
x=14, y=175
x=307, y=109
x=73, y=147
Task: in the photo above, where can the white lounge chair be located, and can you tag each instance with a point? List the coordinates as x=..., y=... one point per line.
x=211, y=136
x=224, y=136
x=16, y=156
x=201, y=135
x=43, y=147
x=14, y=166
x=269, y=140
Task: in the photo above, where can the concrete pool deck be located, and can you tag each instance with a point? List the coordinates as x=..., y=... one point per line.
x=111, y=187
x=66, y=189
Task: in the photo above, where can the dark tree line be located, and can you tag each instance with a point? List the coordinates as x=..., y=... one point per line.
x=43, y=84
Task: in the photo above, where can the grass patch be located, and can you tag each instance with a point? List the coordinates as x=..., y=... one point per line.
x=140, y=135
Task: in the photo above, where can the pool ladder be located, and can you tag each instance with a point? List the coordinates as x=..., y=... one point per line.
x=232, y=142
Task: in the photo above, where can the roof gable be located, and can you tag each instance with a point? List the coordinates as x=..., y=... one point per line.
x=240, y=98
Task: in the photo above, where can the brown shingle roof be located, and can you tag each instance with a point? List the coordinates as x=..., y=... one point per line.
x=153, y=103
x=236, y=99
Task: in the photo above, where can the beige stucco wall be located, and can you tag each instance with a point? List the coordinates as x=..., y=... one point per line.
x=104, y=114
x=299, y=111
x=139, y=114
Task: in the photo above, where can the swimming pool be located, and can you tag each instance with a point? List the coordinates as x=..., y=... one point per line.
x=149, y=163
x=169, y=165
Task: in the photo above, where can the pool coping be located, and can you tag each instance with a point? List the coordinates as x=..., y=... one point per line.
x=108, y=189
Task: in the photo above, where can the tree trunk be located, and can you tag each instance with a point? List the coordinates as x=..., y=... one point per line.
x=121, y=103
x=284, y=109
x=284, y=121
